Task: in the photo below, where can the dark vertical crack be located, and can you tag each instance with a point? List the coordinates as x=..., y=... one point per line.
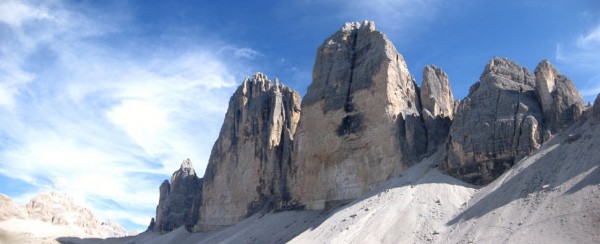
x=327, y=79
x=496, y=118
x=515, y=123
x=348, y=107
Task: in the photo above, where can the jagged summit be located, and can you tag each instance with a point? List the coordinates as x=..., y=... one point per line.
x=508, y=73
x=352, y=26
x=186, y=168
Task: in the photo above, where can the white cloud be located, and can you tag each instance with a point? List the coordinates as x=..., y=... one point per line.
x=397, y=17
x=102, y=123
x=244, y=52
x=15, y=13
x=590, y=40
x=583, y=55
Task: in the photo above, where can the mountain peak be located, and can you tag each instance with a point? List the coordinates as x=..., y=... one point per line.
x=352, y=26
x=186, y=165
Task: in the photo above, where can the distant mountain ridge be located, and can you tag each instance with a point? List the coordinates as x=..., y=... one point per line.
x=363, y=122
x=52, y=215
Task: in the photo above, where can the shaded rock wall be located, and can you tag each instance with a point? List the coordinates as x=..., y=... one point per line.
x=496, y=124
x=561, y=102
x=438, y=106
x=179, y=201
x=508, y=113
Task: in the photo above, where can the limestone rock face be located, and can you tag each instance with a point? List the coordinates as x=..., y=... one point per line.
x=561, y=102
x=179, y=201
x=498, y=123
x=438, y=106
x=249, y=162
x=360, y=122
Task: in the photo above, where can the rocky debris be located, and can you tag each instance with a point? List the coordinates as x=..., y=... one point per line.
x=360, y=122
x=561, y=102
x=497, y=124
x=56, y=209
x=438, y=106
x=179, y=201
x=555, y=188
x=249, y=162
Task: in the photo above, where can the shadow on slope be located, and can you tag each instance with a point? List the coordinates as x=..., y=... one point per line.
x=411, y=208
x=571, y=155
x=280, y=227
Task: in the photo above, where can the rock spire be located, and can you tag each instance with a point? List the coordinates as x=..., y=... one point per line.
x=179, y=201
x=438, y=106
x=249, y=162
x=561, y=102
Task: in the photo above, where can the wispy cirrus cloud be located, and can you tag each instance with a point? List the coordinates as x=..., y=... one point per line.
x=583, y=55
x=398, y=18
x=102, y=122
x=243, y=52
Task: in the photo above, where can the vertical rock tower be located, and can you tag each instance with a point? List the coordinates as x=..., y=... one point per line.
x=179, y=201
x=360, y=120
x=249, y=162
x=438, y=106
x=561, y=102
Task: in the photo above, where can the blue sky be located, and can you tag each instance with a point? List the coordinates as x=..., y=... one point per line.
x=104, y=99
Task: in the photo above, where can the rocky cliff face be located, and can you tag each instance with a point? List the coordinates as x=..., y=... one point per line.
x=496, y=124
x=508, y=113
x=249, y=162
x=179, y=201
x=561, y=102
x=360, y=120
x=438, y=106
x=363, y=121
